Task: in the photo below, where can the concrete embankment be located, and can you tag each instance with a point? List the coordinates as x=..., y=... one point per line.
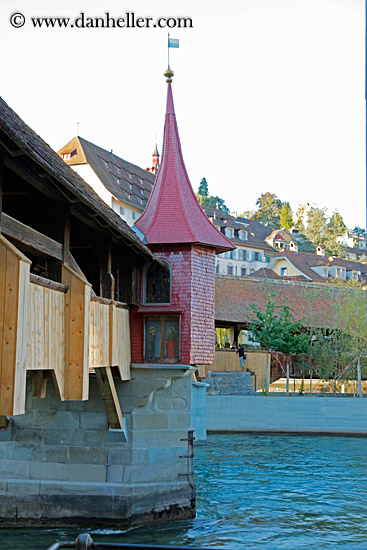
x=286, y=414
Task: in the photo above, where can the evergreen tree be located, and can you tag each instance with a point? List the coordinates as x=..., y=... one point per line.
x=286, y=216
x=359, y=231
x=269, y=210
x=203, y=188
x=336, y=224
x=316, y=230
x=208, y=200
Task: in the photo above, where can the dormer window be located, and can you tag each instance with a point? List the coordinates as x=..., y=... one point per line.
x=283, y=271
x=68, y=156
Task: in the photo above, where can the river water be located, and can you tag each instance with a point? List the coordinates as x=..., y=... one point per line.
x=256, y=491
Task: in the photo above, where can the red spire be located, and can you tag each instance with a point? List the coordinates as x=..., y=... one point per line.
x=173, y=214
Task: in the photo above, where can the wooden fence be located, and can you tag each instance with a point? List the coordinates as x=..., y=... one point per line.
x=227, y=360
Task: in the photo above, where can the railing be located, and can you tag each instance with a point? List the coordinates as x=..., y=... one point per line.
x=85, y=542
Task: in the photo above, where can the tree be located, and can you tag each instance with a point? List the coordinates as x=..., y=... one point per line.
x=263, y=330
x=213, y=202
x=278, y=332
x=289, y=337
x=336, y=225
x=203, y=188
x=316, y=230
x=248, y=214
x=329, y=352
x=286, y=216
x=269, y=210
x=359, y=231
x=208, y=200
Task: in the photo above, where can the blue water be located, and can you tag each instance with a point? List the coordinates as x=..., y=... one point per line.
x=257, y=491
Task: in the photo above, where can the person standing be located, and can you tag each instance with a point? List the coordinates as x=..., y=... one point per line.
x=242, y=356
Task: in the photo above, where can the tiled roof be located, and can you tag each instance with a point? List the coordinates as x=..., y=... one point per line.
x=173, y=214
x=305, y=260
x=72, y=184
x=127, y=182
x=312, y=304
x=264, y=273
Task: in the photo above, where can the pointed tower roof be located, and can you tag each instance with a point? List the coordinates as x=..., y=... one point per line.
x=156, y=154
x=173, y=214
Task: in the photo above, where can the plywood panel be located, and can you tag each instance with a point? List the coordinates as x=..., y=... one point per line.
x=226, y=361
x=120, y=351
x=99, y=349
x=46, y=338
x=14, y=285
x=77, y=307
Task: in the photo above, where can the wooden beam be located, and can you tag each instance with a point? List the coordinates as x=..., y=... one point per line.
x=109, y=395
x=42, y=281
x=66, y=243
x=31, y=238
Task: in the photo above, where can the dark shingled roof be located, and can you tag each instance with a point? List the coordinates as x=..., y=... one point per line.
x=127, y=182
x=304, y=260
x=264, y=273
x=313, y=305
x=74, y=186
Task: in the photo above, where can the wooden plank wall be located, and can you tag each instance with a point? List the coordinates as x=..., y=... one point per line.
x=227, y=360
x=110, y=338
x=14, y=284
x=120, y=353
x=77, y=308
x=99, y=349
x=46, y=332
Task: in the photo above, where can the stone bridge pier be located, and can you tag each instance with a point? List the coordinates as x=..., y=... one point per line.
x=61, y=464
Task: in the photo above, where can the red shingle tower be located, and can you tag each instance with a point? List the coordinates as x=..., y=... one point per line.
x=177, y=308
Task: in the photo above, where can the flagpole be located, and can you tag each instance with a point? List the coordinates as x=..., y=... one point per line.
x=168, y=49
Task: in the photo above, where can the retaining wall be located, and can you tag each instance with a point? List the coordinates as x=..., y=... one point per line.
x=298, y=414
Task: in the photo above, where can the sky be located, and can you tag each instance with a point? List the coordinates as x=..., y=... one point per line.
x=269, y=94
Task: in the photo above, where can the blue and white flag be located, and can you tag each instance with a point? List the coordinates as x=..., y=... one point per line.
x=173, y=43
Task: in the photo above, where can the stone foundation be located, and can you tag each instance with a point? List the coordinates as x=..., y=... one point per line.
x=229, y=383
x=60, y=464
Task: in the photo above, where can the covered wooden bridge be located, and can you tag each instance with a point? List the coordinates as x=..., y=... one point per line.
x=69, y=269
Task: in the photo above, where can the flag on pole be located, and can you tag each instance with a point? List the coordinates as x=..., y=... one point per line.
x=173, y=43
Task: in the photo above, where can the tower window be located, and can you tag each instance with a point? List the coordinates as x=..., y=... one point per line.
x=157, y=284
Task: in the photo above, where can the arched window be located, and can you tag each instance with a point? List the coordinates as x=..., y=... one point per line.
x=157, y=283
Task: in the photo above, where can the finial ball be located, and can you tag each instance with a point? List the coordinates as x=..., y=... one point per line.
x=169, y=74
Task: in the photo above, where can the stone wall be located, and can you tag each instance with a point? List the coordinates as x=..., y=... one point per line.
x=60, y=464
x=229, y=383
x=282, y=414
x=198, y=411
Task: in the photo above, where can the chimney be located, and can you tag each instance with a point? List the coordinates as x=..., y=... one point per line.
x=320, y=251
x=293, y=246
